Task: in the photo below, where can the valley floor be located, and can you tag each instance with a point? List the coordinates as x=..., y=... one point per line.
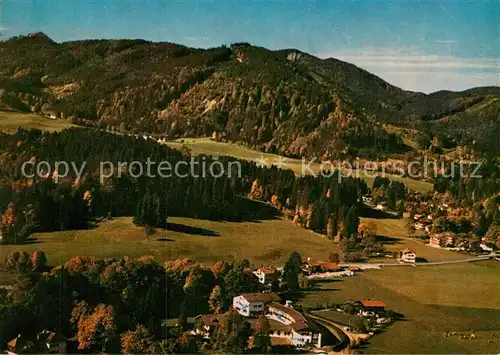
x=266, y=242
x=434, y=300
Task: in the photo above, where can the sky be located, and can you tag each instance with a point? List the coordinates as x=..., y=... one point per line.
x=417, y=45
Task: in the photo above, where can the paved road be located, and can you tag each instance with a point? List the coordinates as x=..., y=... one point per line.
x=344, y=345
x=444, y=262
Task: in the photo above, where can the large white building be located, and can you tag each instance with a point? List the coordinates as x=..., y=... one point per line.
x=250, y=304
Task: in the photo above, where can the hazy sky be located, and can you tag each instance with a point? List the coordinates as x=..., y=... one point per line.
x=423, y=46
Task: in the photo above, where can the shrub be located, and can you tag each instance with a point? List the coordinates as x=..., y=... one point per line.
x=38, y=260
x=19, y=260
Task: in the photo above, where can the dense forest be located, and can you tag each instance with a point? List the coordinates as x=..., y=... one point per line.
x=56, y=202
x=121, y=306
x=284, y=101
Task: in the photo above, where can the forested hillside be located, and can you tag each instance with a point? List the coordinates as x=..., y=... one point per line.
x=52, y=200
x=283, y=101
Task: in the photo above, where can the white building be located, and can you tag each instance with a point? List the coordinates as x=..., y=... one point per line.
x=407, y=256
x=250, y=304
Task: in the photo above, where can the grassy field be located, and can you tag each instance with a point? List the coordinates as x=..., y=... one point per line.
x=434, y=300
x=11, y=121
x=262, y=242
x=392, y=233
x=268, y=241
x=210, y=147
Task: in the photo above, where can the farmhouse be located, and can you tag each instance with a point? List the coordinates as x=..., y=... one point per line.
x=319, y=266
x=443, y=240
x=267, y=275
x=371, y=307
x=407, y=256
x=206, y=324
x=250, y=304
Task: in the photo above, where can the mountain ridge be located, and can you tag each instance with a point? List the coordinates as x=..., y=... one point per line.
x=285, y=101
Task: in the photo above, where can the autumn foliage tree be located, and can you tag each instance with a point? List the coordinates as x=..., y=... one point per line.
x=137, y=341
x=97, y=331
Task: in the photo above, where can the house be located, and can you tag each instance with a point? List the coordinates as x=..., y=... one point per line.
x=371, y=307
x=354, y=268
x=407, y=256
x=19, y=344
x=319, y=266
x=250, y=304
x=206, y=324
x=292, y=326
x=443, y=240
x=267, y=275
x=418, y=226
x=46, y=342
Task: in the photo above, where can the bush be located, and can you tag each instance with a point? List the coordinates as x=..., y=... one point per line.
x=354, y=256
x=38, y=261
x=19, y=261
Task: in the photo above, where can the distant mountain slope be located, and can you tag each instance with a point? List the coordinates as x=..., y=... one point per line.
x=282, y=101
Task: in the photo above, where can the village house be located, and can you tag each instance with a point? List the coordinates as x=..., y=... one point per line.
x=354, y=268
x=443, y=240
x=267, y=275
x=206, y=324
x=371, y=307
x=252, y=304
x=407, y=256
x=287, y=326
x=319, y=266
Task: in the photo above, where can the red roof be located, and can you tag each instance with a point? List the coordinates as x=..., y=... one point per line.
x=373, y=304
x=323, y=264
x=330, y=266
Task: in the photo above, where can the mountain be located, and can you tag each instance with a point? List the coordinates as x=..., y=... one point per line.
x=283, y=101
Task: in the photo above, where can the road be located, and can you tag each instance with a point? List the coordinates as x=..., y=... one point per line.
x=445, y=262
x=345, y=342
